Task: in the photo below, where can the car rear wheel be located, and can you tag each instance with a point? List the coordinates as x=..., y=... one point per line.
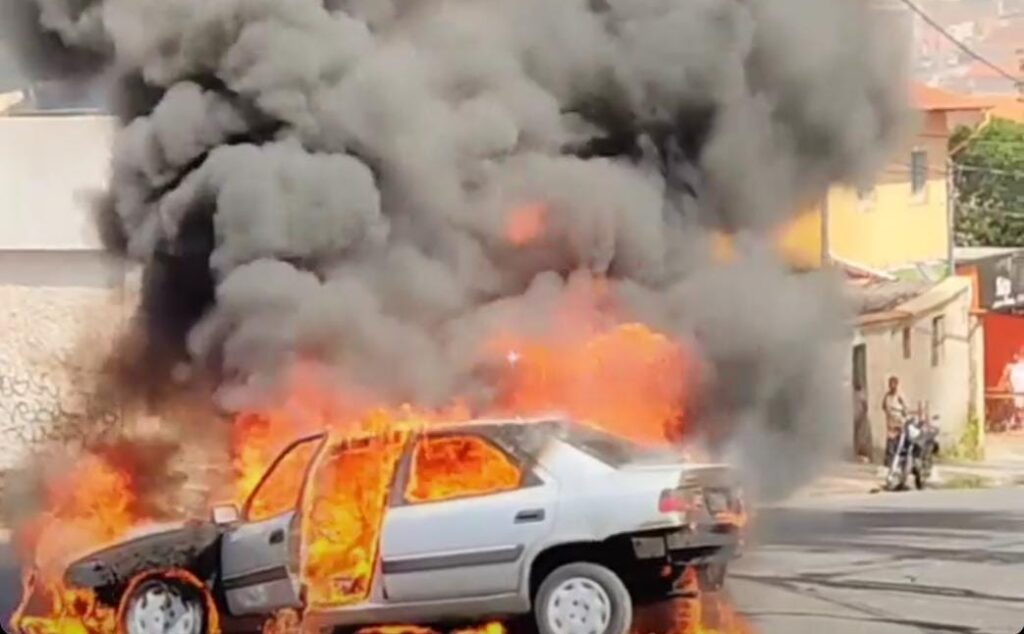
x=163, y=606
x=583, y=598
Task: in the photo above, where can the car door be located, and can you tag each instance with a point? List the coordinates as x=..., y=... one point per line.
x=260, y=557
x=453, y=531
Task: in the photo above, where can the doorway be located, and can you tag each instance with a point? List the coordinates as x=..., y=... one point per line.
x=862, y=442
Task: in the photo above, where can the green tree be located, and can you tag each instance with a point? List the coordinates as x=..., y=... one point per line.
x=988, y=177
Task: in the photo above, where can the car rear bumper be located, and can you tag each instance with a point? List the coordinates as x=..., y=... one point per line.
x=689, y=546
x=659, y=560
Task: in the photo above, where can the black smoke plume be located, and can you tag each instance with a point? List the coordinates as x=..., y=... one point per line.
x=331, y=180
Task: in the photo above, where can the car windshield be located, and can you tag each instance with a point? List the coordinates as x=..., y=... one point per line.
x=615, y=450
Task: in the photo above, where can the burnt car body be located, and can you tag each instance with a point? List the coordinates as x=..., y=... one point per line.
x=590, y=517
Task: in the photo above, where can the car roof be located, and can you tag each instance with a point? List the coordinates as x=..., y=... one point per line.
x=485, y=423
x=470, y=425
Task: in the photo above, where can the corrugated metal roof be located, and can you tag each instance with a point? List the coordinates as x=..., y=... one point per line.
x=896, y=301
x=972, y=254
x=886, y=295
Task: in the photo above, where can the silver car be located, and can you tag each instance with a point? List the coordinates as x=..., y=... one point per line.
x=592, y=527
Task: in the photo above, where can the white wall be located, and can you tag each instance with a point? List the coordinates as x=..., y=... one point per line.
x=49, y=166
x=950, y=388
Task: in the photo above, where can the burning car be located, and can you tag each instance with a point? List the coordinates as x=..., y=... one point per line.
x=467, y=522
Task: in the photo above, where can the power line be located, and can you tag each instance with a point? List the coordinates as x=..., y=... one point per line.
x=949, y=36
x=902, y=168
x=998, y=213
x=988, y=170
x=996, y=143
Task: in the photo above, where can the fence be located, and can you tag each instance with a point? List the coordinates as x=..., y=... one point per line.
x=1001, y=412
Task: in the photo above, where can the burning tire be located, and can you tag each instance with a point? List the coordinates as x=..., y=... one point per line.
x=163, y=604
x=583, y=598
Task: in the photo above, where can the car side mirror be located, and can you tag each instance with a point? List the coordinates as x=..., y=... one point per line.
x=224, y=514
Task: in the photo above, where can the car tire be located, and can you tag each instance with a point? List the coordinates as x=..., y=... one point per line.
x=583, y=598
x=163, y=605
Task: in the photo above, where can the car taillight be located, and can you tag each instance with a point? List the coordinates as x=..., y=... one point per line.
x=675, y=501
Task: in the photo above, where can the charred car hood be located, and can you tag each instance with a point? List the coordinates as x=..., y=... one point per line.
x=152, y=547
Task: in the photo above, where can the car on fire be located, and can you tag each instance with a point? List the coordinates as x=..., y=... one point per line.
x=549, y=519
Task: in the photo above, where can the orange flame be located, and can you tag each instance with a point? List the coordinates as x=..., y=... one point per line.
x=525, y=224
x=699, y=613
x=88, y=506
x=628, y=379
x=624, y=376
x=434, y=476
x=287, y=621
x=343, y=520
x=48, y=607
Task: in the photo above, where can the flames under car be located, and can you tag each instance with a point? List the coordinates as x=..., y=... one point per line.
x=483, y=520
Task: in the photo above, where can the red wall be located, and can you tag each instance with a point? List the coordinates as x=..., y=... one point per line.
x=1003, y=335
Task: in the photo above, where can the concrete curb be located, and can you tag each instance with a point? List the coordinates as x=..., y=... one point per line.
x=858, y=479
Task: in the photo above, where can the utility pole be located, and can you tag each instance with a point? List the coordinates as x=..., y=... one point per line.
x=951, y=215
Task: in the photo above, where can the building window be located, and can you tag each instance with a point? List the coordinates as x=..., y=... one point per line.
x=860, y=367
x=907, y=352
x=938, y=339
x=918, y=171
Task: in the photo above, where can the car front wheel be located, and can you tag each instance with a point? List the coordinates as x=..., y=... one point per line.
x=583, y=598
x=161, y=605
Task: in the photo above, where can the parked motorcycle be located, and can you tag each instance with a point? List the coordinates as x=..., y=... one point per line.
x=914, y=454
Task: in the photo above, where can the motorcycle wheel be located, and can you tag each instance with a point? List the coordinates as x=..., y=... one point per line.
x=892, y=481
x=896, y=480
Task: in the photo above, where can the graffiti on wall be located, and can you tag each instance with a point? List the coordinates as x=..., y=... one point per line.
x=39, y=407
x=51, y=387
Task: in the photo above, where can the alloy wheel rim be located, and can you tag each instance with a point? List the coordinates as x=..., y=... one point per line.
x=579, y=605
x=157, y=607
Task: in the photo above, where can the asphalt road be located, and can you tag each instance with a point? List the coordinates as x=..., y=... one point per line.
x=936, y=561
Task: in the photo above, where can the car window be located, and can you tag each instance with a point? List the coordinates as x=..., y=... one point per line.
x=279, y=490
x=614, y=450
x=455, y=466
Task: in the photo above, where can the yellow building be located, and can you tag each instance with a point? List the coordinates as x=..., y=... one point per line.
x=904, y=219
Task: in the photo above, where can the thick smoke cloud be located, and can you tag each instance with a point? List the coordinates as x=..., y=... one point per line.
x=333, y=181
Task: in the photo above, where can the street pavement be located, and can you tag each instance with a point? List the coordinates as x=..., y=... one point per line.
x=1003, y=467
x=932, y=561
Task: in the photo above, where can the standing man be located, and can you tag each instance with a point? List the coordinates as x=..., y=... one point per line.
x=1012, y=381
x=895, y=408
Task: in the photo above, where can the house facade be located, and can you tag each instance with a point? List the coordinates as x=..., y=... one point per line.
x=894, y=241
x=935, y=345
x=64, y=301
